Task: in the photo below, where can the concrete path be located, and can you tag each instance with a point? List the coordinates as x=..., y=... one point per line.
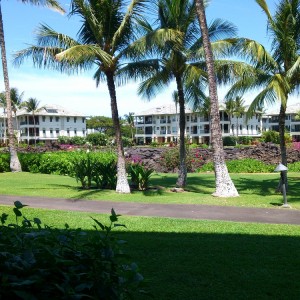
x=187, y=211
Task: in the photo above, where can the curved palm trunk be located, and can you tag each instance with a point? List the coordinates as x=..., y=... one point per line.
x=122, y=181
x=224, y=184
x=15, y=165
x=182, y=172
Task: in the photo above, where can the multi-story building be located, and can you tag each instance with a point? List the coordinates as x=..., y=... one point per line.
x=161, y=124
x=50, y=122
x=292, y=122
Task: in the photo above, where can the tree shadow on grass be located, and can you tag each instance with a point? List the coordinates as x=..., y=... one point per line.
x=217, y=266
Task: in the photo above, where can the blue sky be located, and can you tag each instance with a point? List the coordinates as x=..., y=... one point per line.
x=78, y=92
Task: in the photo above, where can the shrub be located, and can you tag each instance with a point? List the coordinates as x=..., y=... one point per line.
x=247, y=165
x=272, y=136
x=294, y=167
x=97, y=167
x=229, y=140
x=245, y=140
x=296, y=146
x=41, y=262
x=97, y=139
x=4, y=162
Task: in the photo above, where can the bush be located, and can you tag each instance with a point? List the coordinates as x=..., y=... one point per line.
x=41, y=262
x=294, y=167
x=170, y=160
x=272, y=136
x=97, y=139
x=245, y=140
x=4, y=162
x=97, y=167
x=247, y=165
x=229, y=140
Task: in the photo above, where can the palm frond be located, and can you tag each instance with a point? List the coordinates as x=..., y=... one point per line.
x=52, y=4
x=152, y=86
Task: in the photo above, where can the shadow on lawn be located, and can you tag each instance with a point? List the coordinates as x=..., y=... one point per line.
x=217, y=266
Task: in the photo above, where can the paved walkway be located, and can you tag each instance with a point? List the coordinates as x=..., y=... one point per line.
x=187, y=211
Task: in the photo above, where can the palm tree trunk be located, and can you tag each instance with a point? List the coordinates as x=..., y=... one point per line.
x=224, y=184
x=15, y=165
x=182, y=172
x=122, y=181
x=281, y=123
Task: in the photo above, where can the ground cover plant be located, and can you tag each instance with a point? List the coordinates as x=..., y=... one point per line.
x=198, y=259
x=256, y=190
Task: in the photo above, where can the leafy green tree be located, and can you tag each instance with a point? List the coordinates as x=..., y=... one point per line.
x=180, y=60
x=104, y=39
x=15, y=165
x=32, y=105
x=224, y=184
x=274, y=73
x=100, y=123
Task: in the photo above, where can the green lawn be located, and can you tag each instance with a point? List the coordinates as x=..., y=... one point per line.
x=256, y=190
x=189, y=259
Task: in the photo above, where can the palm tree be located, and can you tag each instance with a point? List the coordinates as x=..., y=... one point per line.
x=15, y=165
x=32, y=105
x=130, y=121
x=274, y=73
x=16, y=102
x=3, y=105
x=176, y=100
x=224, y=184
x=104, y=39
x=235, y=107
x=180, y=60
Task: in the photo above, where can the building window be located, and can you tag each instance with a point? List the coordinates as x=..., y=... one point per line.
x=57, y=131
x=75, y=119
x=51, y=119
x=68, y=119
x=83, y=132
x=43, y=118
x=44, y=132
x=75, y=132
x=187, y=118
x=83, y=119
x=56, y=119
x=68, y=132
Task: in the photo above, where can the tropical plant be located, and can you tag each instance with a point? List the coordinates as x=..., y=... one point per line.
x=3, y=106
x=235, y=107
x=104, y=39
x=14, y=161
x=274, y=73
x=42, y=262
x=32, y=105
x=129, y=119
x=224, y=184
x=180, y=60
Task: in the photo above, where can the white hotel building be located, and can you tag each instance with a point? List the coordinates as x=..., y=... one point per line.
x=51, y=121
x=161, y=124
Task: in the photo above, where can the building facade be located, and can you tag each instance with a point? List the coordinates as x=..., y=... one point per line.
x=161, y=124
x=49, y=123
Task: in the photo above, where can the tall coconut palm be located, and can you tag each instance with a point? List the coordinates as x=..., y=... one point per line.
x=15, y=165
x=235, y=107
x=180, y=60
x=32, y=105
x=129, y=118
x=224, y=184
x=106, y=34
x=17, y=103
x=3, y=106
x=275, y=73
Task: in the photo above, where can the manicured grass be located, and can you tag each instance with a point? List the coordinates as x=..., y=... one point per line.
x=256, y=190
x=189, y=259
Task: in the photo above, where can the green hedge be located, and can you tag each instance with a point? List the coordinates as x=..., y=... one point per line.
x=247, y=165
